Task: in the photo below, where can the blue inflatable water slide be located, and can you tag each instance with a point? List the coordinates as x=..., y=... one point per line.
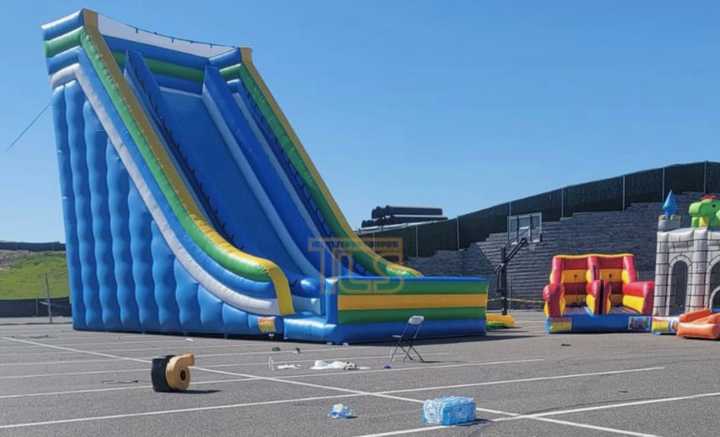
x=191, y=206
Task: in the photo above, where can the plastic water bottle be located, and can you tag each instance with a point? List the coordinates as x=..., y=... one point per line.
x=451, y=410
x=271, y=364
x=340, y=411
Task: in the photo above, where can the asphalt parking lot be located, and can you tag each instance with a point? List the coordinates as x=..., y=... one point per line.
x=57, y=381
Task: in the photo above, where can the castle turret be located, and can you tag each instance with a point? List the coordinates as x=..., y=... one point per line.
x=669, y=220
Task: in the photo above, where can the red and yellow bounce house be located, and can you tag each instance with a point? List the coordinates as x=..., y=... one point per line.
x=597, y=293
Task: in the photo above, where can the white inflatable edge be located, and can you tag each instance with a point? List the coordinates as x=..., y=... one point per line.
x=216, y=288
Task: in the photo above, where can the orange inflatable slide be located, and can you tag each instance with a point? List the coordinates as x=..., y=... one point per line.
x=699, y=324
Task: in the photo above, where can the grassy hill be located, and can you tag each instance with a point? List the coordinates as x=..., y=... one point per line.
x=22, y=274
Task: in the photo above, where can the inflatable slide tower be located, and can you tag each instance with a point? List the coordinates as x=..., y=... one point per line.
x=190, y=205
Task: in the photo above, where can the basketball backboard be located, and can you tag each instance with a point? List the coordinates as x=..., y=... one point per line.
x=528, y=226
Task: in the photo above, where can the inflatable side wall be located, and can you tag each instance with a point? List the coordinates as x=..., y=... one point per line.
x=190, y=205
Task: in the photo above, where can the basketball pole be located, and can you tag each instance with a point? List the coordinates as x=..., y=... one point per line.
x=501, y=271
x=49, y=301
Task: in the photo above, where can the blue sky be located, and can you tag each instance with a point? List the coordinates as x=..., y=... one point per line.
x=460, y=104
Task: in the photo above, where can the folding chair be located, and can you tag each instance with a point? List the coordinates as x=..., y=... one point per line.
x=406, y=340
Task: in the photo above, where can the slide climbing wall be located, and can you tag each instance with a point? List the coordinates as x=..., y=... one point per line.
x=191, y=206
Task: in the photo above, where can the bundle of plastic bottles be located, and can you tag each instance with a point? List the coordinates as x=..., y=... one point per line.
x=450, y=410
x=340, y=411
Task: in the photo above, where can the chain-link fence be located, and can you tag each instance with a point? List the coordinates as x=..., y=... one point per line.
x=37, y=307
x=613, y=194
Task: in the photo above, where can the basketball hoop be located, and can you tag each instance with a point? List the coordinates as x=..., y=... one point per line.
x=537, y=239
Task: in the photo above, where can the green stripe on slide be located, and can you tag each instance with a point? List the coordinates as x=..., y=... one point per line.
x=73, y=38
x=63, y=42
x=378, y=316
x=241, y=266
x=368, y=259
x=166, y=68
x=426, y=286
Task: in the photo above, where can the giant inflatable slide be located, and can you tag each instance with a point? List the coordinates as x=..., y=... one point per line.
x=191, y=206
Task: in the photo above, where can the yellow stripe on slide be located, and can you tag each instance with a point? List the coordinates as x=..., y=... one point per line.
x=246, y=56
x=273, y=271
x=409, y=301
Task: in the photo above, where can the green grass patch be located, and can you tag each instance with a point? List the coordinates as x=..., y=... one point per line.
x=22, y=274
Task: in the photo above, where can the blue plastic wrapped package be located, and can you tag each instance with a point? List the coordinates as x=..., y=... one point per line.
x=450, y=410
x=340, y=411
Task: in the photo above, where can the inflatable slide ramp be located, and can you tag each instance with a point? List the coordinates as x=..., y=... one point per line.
x=191, y=206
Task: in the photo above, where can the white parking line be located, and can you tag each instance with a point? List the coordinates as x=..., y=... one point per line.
x=264, y=363
x=616, y=405
x=346, y=393
x=418, y=367
x=223, y=372
x=39, y=363
x=354, y=357
x=229, y=346
x=406, y=431
x=535, y=379
x=43, y=363
x=89, y=372
x=232, y=354
x=555, y=421
x=70, y=350
x=176, y=411
x=35, y=352
x=353, y=393
x=77, y=351
x=187, y=344
x=595, y=427
x=542, y=417
x=420, y=389
x=101, y=390
x=302, y=375
x=213, y=366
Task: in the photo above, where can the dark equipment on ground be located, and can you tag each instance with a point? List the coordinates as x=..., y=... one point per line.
x=396, y=215
x=171, y=373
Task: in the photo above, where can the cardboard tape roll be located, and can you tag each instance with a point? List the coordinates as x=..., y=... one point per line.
x=171, y=372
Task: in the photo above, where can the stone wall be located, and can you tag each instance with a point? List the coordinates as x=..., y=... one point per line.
x=633, y=230
x=689, y=288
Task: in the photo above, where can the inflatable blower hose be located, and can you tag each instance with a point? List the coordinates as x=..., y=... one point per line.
x=172, y=372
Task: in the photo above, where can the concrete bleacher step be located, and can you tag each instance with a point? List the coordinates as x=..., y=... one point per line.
x=632, y=230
